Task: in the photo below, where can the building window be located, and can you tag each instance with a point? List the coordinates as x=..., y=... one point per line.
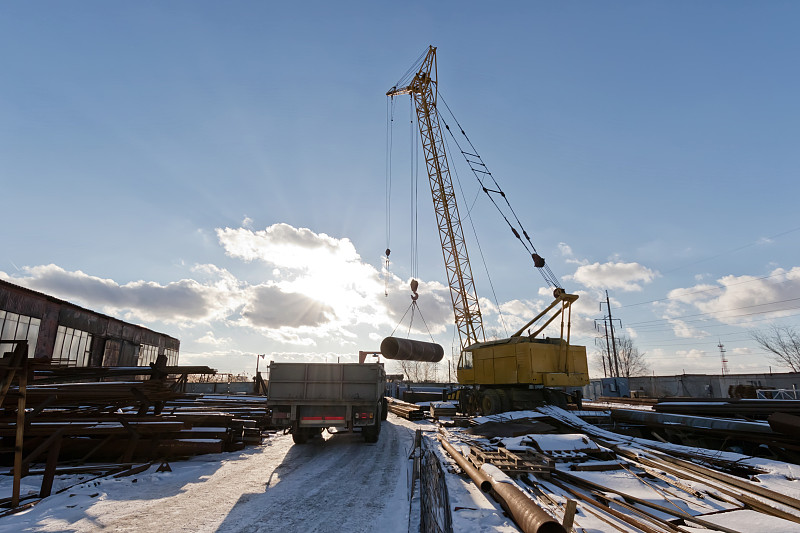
x=14, y=327
x=73, y=347
x=172, y=356
x=147, y=354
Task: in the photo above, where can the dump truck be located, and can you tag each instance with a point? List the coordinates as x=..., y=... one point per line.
x=307, y=398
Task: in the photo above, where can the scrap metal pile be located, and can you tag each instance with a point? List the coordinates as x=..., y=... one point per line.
x=58, y=420
x=577, y=475
x=760, y=427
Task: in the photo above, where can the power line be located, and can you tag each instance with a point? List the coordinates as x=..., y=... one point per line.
x=701, y=291
x=652, y=328
x=732, y=250
x=716, y=313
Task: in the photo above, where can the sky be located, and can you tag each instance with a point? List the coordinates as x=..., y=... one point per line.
x=219, y=171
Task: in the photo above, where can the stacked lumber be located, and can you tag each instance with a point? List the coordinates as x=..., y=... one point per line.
x=442, y=409
x=409, y=411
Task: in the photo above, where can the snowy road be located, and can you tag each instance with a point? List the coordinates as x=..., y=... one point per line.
x=337, y=482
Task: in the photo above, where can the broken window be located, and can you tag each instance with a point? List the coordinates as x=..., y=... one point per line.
x=14, y=327
x=147, y=354
x=72, y=347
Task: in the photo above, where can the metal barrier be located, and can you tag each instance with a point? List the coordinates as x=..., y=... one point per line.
x=778, y=394
x=435, y=514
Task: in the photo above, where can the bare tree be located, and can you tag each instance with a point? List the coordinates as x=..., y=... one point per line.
x=783, y=343
x=419, y=372
x=631, y=361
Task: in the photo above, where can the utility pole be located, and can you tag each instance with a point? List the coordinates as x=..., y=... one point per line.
x=608, y=351
x=607, y=368
x=611, y=346
x=613, y=340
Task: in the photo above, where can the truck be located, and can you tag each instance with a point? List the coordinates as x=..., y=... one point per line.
x=307, y=398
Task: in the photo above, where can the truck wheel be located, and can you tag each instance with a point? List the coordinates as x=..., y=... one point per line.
x=490, y=403
x=371, y=434
x=300, y=436
x=384, y=408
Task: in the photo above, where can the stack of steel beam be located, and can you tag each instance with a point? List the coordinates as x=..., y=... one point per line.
x=410, y=411
x=728, y=408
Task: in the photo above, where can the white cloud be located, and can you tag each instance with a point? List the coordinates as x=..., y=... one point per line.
x=691, y=355
x=320, y=291
x=613, y=275
x=210, y=338
x=271, y=308
x=316, y=294
x=569, y=256
x=285, y=246
x=175, y=302
x=739, y=300
x=685, y=331
x=333, y=288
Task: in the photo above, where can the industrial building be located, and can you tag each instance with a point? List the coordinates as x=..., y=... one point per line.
x=73, y=336
x=694, y=385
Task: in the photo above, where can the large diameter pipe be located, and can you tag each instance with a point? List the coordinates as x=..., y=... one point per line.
x=410, y=350
x=526, y=514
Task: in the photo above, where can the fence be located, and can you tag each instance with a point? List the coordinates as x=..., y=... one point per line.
x=434, y=500
x=778, y=394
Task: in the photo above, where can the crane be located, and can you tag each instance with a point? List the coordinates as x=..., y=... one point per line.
x=454, y=249
x=523, y=370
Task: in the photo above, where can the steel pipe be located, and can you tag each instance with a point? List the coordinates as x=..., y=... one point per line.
x=411, y=350
x=526, y=514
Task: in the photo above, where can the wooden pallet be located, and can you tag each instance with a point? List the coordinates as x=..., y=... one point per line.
x=513, y=463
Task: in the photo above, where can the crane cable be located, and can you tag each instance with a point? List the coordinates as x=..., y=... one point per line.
x=389, y=142
x=414, y=174
x=478, y=167
x=478, y=243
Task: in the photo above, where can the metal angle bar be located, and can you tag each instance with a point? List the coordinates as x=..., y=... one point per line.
x=688, y=518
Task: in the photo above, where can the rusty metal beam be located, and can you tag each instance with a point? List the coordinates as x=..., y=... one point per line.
x=528, y=516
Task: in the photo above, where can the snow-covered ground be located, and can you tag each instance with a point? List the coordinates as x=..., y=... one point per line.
x=333, y=483
x=340, y=483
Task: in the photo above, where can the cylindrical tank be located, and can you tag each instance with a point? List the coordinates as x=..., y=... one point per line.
x=410, y=350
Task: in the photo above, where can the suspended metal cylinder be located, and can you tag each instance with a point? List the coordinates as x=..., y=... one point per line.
x=410, y=350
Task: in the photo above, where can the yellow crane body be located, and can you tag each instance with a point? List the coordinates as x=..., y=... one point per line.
x=545, y=362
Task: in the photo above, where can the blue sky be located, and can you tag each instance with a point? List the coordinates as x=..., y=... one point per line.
x=217, y=171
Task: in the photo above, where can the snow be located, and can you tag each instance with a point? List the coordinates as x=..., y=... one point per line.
x=339, y=483
x=495, y=473
x=511, y=415
x=336, y=482
x=752, y=522
x=471, y=509
x=562, y=443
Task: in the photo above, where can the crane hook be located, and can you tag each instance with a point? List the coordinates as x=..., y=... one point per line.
x=414, y=286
